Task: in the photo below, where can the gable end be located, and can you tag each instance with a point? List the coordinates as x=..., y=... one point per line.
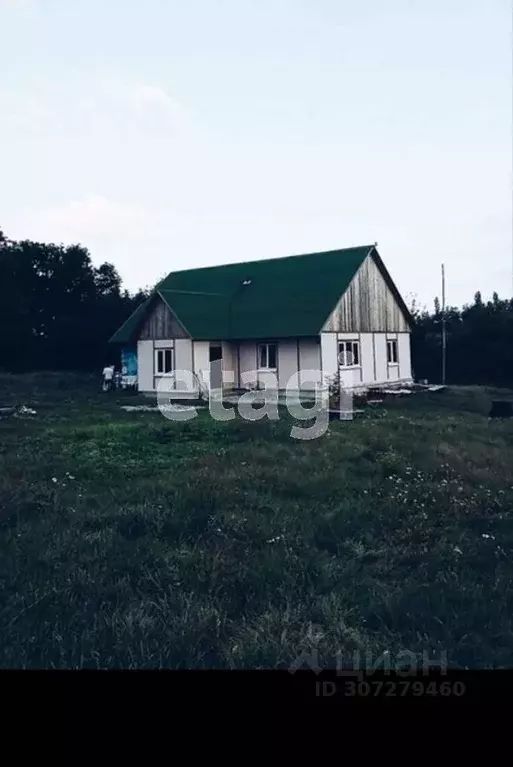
x=371, y=303
x=160, y=323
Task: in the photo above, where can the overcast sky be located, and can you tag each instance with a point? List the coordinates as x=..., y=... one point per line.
x=168, y=134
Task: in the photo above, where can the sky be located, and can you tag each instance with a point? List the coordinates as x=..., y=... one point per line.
x=167, y=135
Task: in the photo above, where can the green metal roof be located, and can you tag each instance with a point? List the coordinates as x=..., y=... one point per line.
x=283, y=297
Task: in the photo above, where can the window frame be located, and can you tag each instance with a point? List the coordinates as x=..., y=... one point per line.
x=267, y=345
x=163, y=351
x=349, y=345
x=392, y=344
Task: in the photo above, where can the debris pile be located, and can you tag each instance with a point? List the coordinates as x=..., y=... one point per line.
x=375, y=395
x=25, y=411
x=16, y=411
x=158, y=408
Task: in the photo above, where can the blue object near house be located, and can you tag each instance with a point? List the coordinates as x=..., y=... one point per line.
x=128, y=366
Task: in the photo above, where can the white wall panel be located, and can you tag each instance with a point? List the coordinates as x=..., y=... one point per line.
x=201, y=357
x=230, y=372
x=380, y=351
x=267, y=379
x=309, y=359
x=248, y=361
x=287, y=362
x=404, y=350
x=183, y=354
x=145, y=365
x=329, y=355
x=367, y=358
x=350, y=378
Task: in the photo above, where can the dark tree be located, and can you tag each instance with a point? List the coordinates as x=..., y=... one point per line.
x=57, y=311
x=479, y=343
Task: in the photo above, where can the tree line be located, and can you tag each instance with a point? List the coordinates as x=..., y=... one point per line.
x=58, y=311
x=479, y=345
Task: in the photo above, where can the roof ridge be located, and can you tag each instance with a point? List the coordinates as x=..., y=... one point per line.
x=190, y=292
x=275, y=258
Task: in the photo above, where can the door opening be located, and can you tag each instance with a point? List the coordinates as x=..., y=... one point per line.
x=216, y=366
x=216, y=352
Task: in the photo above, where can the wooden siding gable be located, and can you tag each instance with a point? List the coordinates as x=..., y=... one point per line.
x=161, y=323
x=371, y=303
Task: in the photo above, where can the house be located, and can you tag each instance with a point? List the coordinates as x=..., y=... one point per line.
x=282, y=322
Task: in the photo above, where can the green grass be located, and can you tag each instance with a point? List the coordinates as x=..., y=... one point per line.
x=132, y=541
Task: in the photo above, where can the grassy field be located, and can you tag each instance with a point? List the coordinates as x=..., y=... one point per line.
x=128, y=540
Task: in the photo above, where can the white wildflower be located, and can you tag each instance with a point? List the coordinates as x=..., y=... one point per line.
x=54, y=479
x=484, y=535
x=275, y=540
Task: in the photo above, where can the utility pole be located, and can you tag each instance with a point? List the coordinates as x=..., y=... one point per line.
x=444, y=335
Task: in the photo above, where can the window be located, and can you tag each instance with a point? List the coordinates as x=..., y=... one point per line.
x=267, y=356
x=163, y=362
x=349, y=354
x=392, y=355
